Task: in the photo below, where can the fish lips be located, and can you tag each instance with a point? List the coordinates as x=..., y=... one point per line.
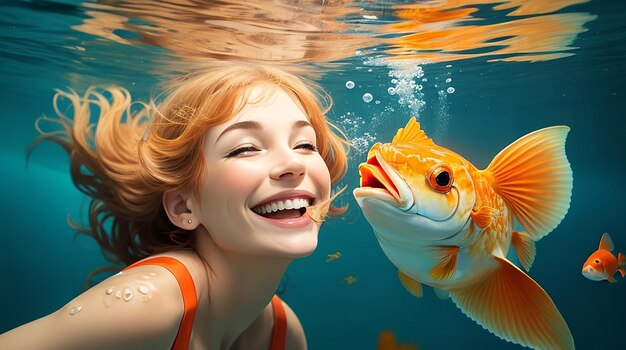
x=379, y=180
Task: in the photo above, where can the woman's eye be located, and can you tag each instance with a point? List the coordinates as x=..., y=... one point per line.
x=241, y=150
x=307, y=146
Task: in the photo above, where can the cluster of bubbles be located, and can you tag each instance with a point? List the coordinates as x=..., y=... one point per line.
x=352, y=125
x=407, y=79
x=363, y=143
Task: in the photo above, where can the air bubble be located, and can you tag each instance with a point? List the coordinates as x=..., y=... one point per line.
x=143, y=289
x=391, y=91
x=128, y=294
x=367, y=97
x=76, y=309
x=350, y=84
x=448, y=80
x=450, y=90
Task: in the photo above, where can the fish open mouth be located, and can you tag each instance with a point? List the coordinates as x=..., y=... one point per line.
x=374, y=176
x=380, y=181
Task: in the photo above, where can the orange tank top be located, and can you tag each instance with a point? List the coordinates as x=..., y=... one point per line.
x=190, y=302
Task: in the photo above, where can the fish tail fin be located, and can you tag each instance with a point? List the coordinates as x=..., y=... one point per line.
x=621, y=264
x=534, y=178
x=512, y=306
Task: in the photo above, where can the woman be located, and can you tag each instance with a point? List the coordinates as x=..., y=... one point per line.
x=207, y=195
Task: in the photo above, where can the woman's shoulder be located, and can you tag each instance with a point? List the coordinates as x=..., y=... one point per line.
x=140, y=307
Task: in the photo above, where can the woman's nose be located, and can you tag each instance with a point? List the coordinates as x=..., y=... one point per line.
x=288, y=166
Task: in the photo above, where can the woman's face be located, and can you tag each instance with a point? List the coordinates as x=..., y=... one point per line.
x=262, y=170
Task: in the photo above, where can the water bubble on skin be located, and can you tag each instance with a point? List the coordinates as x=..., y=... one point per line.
x=367, y=97
x=118, y=294
x=75, y=309
x=109, y=291
x=128, y=294
x=450, y=90
x=350, y=84
x=448, y=80
x=143, y=289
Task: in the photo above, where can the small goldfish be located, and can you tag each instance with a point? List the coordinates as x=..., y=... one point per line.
x=387, y=341
x=444, y=223
x=349, y=280
x=333, y=256
x=602, y=264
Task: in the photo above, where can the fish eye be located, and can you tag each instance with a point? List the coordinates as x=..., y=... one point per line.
x=597, y=261
x=440, y=178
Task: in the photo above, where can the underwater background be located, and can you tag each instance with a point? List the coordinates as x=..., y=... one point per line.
x=478, y=74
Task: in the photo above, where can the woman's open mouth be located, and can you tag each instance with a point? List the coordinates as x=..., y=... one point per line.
x=284, y=209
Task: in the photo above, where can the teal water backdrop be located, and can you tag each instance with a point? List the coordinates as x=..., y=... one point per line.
x=472, y=99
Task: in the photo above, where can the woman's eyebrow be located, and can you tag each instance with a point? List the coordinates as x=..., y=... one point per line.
x=252, y=125
x=301, y=124
x=247, y=125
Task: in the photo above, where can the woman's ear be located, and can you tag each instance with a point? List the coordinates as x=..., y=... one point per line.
x=178, y=212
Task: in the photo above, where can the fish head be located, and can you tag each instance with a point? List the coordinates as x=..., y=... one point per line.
x=594, y=268
x=413, y=190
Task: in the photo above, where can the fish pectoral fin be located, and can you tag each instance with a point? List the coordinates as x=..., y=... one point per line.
x=606, y=242
x=524, y=248
x=534, y=178
x=484, y=216
x=611, y=279
x=514, y=307
x=411, y=285
x=442, y=293
x=447, y=267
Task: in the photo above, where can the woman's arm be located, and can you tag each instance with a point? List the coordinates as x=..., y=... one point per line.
x=139, y=308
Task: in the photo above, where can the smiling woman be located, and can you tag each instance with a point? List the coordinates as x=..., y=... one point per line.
x=205, y=194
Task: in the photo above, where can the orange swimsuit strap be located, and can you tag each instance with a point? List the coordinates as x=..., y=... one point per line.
x=279, y=333
x=190, y=302
x=188, y=290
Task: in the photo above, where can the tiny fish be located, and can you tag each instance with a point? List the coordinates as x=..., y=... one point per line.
x=333, y=256
x=349, y=280
x=602, y=264
x=387, y=341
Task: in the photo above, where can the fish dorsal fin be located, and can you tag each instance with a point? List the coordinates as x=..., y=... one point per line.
x=512, y=306
x=534, y=178
x=606, y=242
x=412, y=133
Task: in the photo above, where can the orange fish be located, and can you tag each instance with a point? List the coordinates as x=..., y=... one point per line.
x=444, y=223
x=602, y=264
x=387, y=341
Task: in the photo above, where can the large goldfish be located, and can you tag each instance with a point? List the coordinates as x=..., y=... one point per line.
x=444, y=223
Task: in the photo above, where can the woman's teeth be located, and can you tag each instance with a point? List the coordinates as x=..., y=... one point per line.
x=287, y=204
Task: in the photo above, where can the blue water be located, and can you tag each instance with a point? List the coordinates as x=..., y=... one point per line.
x=493, y=103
